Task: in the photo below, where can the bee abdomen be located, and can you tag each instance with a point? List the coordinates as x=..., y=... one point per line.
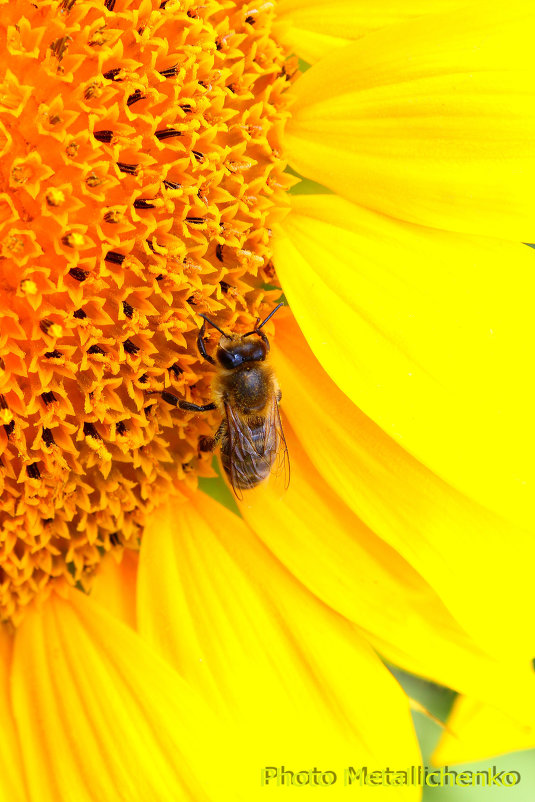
x=246, y=466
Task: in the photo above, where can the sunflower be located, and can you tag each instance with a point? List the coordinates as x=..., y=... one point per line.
x=157, y=645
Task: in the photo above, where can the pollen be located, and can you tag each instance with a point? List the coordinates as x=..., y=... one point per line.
x=54, y=197
x=28, y=286
x=141, y=172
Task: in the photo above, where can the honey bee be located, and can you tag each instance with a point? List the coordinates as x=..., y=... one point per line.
x=247, y=394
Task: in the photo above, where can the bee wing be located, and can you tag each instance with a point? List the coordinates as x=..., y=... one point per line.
x=248, y=461
x=274, y=434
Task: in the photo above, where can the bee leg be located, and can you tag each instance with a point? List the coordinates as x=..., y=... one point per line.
x=209, y=443
x=206, y=444
x=196, y=407
x=201, y=347
x=172, y=399
x=279, y=396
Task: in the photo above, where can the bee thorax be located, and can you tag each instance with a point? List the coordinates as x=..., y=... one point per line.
x=249, y=389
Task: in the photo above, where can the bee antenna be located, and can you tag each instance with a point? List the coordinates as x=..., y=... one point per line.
x=211, y=322
x=265, y=320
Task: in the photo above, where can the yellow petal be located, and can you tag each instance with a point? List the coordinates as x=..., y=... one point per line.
x=428, y=333
x=344, y=564
x=300, y=682
x=477, y=730
x=440, y=532
x=12, y=787
x=315, y=27
x=114, y=586
x=431, y=121
x=102, y=717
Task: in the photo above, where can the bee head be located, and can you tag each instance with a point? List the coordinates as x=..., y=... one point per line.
x=232, y=353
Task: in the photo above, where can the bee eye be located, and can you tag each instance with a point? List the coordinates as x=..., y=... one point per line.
x=239, y=352
x=258, y=352
x=229, y=359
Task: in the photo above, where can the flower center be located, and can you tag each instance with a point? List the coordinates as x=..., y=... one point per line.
x=141, y=170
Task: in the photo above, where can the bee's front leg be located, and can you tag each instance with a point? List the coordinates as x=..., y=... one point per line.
x=196, y=407
x=187, y=405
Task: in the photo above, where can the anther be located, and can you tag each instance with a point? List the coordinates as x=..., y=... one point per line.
x=80, y=314
x=48, y=397
x=127, y=309
x=90, y=431
x=49, y=327
x=9, y=427
x=53, y=354
x=93, y=90
x=176, y=369
x=131, y=169
x=96, y=349
x=113, y=216
x=171, y=72
x=48, y=437
x=78, y=274
x=130, y=347
x=144, y=203
x=116, y=258
x=111, y=75
x=33, y=471
x=93, y=180
x=167, y=133
x=134, y=97
x=103, y=136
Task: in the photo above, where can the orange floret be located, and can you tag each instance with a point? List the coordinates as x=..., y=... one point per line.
x=141, y=170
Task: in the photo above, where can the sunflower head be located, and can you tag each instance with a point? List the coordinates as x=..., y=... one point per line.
x=141, y=172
